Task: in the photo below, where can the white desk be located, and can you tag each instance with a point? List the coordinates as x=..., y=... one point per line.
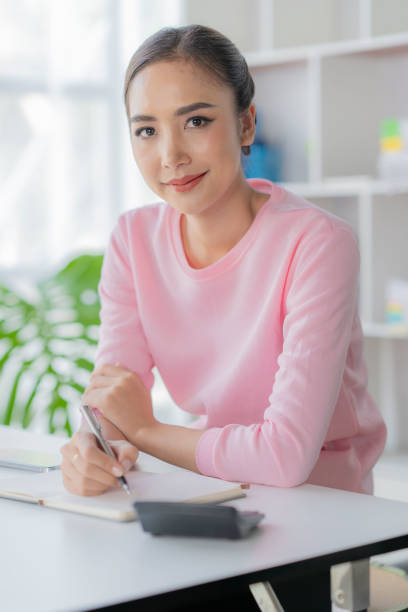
x=54, y=561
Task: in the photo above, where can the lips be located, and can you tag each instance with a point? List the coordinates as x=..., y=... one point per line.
x=185, y=179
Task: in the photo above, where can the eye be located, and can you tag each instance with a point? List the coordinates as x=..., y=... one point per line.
x=199, y=122
x=140, y=130
x=202, y=121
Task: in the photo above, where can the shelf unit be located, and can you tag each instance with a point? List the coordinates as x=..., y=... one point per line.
x=326, y=73
x=378, y=212
x=322, y=102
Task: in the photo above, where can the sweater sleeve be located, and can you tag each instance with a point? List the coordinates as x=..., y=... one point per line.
x=121, y=335
x=319, y=303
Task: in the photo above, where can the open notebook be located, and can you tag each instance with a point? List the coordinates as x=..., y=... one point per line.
x=47, y=489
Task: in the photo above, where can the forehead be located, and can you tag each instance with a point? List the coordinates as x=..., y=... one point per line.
x=168, y=85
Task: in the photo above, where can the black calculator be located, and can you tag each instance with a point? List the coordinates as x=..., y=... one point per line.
x=189, y=519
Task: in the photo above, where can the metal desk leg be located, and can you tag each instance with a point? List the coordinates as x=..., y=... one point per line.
x=265, y=597
x=350, y=586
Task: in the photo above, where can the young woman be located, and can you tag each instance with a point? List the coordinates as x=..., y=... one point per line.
x=244, y=295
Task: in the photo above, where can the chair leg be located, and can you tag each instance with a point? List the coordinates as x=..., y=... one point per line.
x=350, y=586
x=265, y=597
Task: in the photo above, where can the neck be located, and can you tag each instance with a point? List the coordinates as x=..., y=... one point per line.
x=209, y=236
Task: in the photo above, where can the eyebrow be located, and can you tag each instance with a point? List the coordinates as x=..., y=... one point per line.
x=180, y=111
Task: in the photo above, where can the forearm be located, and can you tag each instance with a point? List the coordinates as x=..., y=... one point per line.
x=171, y=443
x=121, y=397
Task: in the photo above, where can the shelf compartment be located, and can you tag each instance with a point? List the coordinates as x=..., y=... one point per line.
x=282, y=99
x=389, y=251
x=296, y=22
x=357, y=92
x=389, y=17
x=369, y=44
x=343, y=207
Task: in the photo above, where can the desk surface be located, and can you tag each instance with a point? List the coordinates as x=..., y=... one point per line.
x=57, y=561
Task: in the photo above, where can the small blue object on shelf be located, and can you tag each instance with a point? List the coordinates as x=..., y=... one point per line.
x=264, y=161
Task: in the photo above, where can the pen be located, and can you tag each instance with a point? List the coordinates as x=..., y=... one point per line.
x=97, y=431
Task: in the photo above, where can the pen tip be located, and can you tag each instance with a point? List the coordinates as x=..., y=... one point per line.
x=124, y=484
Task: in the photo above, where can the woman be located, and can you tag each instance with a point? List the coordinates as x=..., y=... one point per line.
x=244, y=295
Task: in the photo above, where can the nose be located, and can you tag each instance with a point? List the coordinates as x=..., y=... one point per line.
x=173, y=151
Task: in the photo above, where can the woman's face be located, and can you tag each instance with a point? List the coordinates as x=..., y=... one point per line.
x=172, y=141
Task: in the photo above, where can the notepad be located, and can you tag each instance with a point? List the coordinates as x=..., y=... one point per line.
x=48, y=490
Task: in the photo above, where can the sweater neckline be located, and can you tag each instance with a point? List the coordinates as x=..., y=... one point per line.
x=231, y=258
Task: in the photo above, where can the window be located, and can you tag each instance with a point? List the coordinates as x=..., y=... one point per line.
x=66, y=170
x=66, y=167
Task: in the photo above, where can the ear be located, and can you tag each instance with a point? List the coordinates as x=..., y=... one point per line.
x=247, y=126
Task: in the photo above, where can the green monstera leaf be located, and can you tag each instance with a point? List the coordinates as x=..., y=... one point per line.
x=47, y=346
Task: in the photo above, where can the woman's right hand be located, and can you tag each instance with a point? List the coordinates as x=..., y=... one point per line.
x=88, y=470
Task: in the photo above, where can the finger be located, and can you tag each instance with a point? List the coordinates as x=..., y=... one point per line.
x=93, y=397
x=81, y=481
x=66, y=449
x=127, y=453
x=69, y=451
x=68, y=483
x=69, y=471
x=90, y=453
x=75, y=466
x=81, y=486
x=110, y=369
x=101, y=381
x=87, y=476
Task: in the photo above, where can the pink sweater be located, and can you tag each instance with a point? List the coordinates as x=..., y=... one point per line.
x=265, y=344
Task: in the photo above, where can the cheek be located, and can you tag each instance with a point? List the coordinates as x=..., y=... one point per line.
x=211, y=142
x=225, y=142
x=143, y=156
x=136, y=153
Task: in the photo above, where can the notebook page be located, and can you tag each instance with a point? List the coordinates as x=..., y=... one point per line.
x=173, y=486
x=36, y=486
x=115, y=503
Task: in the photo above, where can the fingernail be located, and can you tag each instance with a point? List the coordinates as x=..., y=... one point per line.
x=117, y=472
x=127, y=464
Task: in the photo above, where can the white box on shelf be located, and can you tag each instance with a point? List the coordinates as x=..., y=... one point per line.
x=396, y=306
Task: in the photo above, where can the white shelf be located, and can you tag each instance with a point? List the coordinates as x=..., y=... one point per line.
x=388, y=188
x=347, y=186
x=270, y=57
x=384, y=330
x=322, y=104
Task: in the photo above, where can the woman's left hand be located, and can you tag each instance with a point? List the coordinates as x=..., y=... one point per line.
x=122, y=398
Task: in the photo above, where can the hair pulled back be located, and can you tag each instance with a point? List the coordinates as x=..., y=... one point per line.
x=203, y=46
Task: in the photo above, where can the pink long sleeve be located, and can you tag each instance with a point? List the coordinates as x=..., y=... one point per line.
x=121, y=335
x=265, y=344
x=319, y=304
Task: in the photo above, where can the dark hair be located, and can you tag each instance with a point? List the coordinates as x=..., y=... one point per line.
x=203, y=46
